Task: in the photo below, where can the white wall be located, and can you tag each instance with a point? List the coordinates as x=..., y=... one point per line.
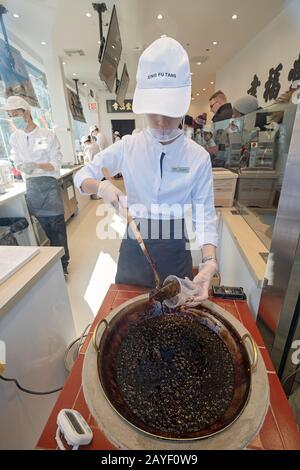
x=278, y=43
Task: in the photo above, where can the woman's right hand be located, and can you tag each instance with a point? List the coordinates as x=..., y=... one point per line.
x=112, y=195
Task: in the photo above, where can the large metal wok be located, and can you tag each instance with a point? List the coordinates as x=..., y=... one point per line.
x=108, y=338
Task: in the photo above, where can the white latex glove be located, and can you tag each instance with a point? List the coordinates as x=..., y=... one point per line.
x=112, y=195
x=27, y=167
x=201, y=282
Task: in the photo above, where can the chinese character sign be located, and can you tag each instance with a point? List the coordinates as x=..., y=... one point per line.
x=254, y=85
x=272, y=85
x=114, y=107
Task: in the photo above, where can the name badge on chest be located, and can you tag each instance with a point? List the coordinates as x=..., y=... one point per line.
x=180, y=169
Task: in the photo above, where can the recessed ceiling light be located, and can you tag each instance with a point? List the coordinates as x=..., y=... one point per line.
x=99, y=42
x=159, y=17
x=74, y=74
x=234, y=17
x=191, y=73
x=215, y=43
x=15, y=15
x=193, y=99
x=198, y=94
x=204, y=89
x=64, y=63
x=84, y=84
x=43, y=43
x=88, y=15
x=113, y=46
x=199, y=63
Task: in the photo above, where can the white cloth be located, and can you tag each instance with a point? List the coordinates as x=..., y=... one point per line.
x=101, y=141
x=38, y=146
x=186, y=179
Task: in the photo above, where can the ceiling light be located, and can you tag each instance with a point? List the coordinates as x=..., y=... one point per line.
x=15, y=15
x=64, y=63
x=197, y=94
x=159, y=17
x=113, y=46
x=193, y=99
x=191, y=73
x=99, y=42
x=88, y=15
x=84, y=84
x=43, y=43
x=199, y=63
x=215, y=43
x=74, y=74
x=212, y=83
x=204, y=89
x=234, y=17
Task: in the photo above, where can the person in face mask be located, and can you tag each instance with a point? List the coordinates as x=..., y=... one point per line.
x=164, y=173
x=36, y=153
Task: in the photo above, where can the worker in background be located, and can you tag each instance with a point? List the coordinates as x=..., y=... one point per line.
x=36, y=153
x=99, y=137
x=161, y=169
x=219, y=107
x=116, y=136
x=90, y=149
x=245, y=105
x=188, y=128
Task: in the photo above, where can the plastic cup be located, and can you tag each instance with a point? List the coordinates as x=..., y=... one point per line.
x=186, y=293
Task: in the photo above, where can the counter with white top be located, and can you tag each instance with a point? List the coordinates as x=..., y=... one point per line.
x=36, y=325
x=13, y=202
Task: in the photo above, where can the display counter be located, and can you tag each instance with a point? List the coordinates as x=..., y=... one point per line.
x=279, y=430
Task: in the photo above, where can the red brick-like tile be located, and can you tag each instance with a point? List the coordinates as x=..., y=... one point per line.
x=256, y=443
x=65, y=400
x=99, y=442
x=283, y=414
x=269, y=434
x=267, y=360
x=81, y=406
x=249, y=322
x=85, y=344
x=228, y=305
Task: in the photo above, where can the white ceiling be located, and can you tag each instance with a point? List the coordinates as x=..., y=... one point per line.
x=63, y=24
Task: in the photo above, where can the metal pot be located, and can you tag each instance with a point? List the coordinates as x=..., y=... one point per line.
x=138, y=311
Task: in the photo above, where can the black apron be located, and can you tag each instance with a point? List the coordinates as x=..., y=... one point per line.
x=170, y=256
x=43, y=196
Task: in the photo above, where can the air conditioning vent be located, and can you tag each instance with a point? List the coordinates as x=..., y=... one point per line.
x=71, y=52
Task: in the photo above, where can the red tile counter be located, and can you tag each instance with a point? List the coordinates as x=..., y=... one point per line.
x=279, y=431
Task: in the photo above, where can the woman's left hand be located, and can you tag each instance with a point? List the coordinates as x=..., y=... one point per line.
x=201, y=282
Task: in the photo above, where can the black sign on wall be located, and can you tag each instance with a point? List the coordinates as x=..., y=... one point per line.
x=254, y=85
x=294, y=73
x=113, y=107
x=272, y=85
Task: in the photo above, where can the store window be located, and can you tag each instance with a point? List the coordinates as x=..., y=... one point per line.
x=41, y=116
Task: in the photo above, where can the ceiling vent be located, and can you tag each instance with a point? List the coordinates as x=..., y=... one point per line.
x=72, y=52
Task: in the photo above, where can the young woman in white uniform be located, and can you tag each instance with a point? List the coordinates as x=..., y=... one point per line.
x=161, y=170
